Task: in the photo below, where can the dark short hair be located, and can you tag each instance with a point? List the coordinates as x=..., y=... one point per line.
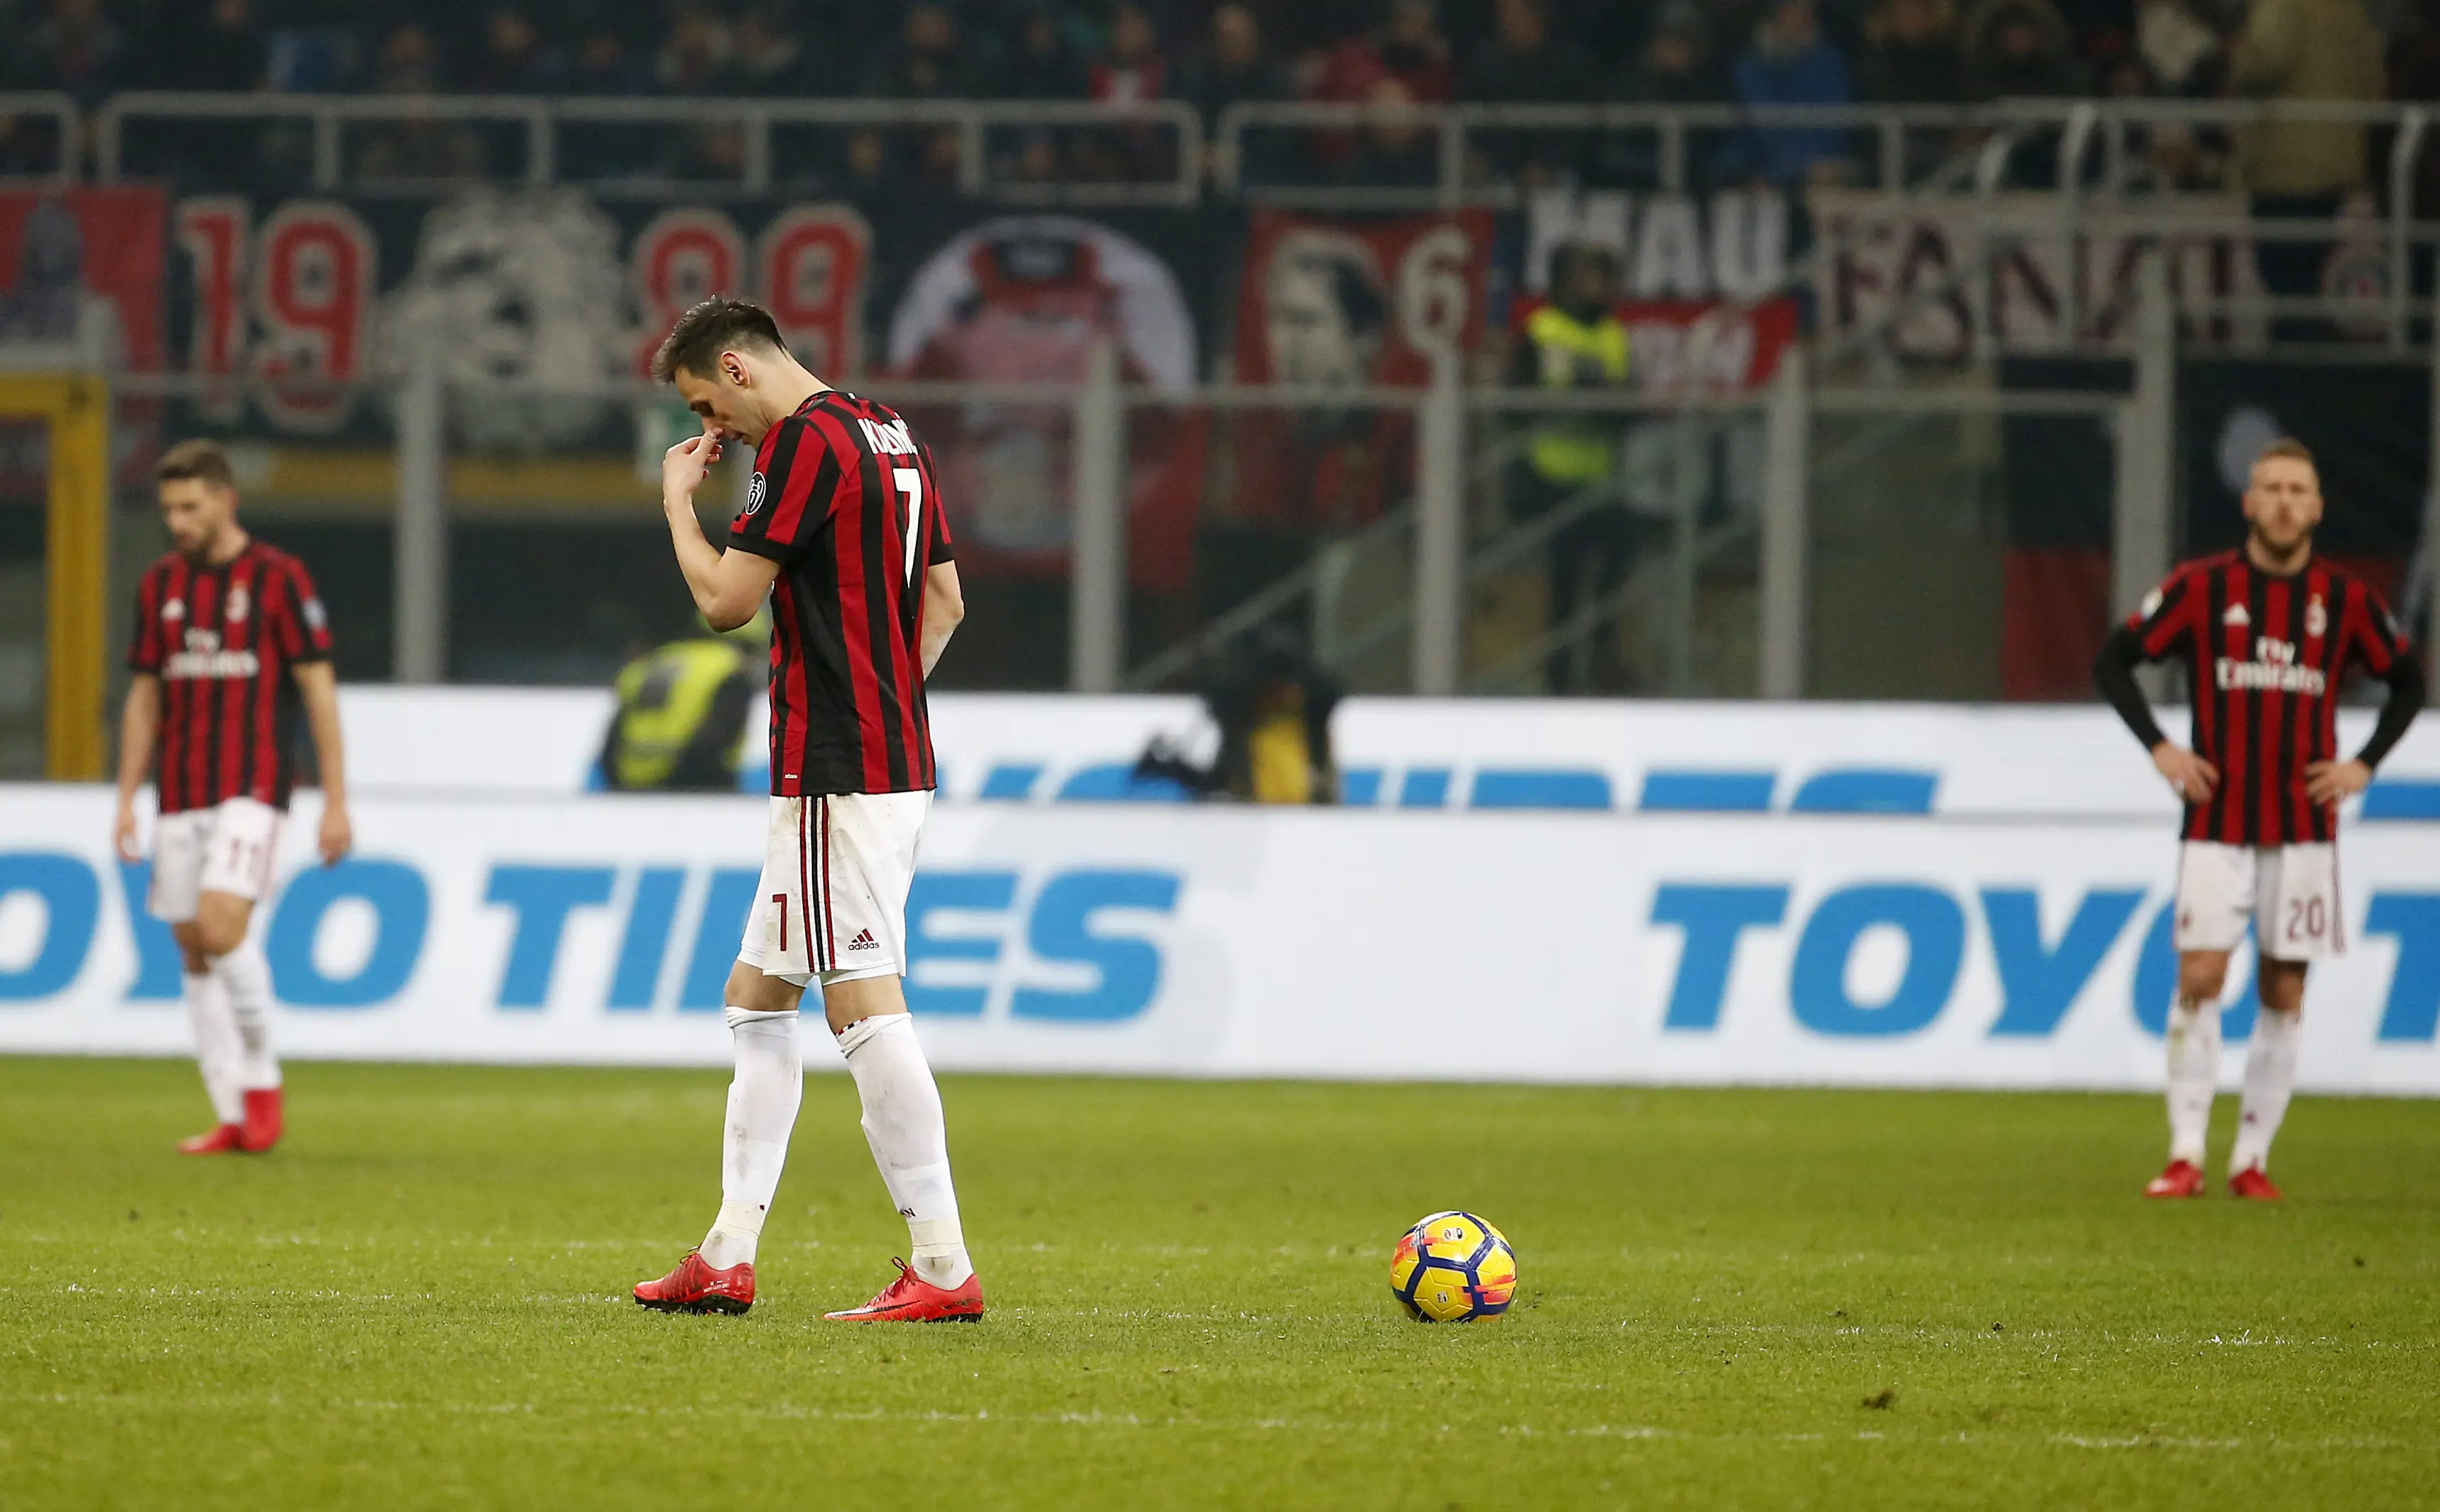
x=717, y=325
x=202, y=459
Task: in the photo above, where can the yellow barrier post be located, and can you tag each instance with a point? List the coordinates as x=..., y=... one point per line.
x=76, y=409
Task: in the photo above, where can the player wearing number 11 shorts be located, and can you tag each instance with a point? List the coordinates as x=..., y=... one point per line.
x=842, y=529
x=2265, y=633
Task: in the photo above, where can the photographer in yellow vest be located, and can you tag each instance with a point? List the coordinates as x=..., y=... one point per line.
x=1576, y=342
x=681, y=722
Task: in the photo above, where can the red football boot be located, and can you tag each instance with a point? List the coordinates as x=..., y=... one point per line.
x=227, y=1140
x=912, y=1299
x=694, y=1287
x=2253, y=1186
x=2183, y=1179
x=263, y=1121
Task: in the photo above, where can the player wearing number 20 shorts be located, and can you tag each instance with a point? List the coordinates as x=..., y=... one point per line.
x=2266, y=633
x=842, y=529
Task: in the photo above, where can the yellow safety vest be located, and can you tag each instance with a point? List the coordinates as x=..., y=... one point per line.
x=663, y=698
x=1575, y=448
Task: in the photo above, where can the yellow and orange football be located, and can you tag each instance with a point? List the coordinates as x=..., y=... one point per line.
x=1453, y=1268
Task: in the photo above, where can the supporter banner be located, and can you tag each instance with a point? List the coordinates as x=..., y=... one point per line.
x=1245, y=943
x=1426, y=753
x=81, y=290
x=1345, y=303
x=1675, y=343
x=546, y=287
x=1733, y=246
x=1028, y=298
x=1883, y=252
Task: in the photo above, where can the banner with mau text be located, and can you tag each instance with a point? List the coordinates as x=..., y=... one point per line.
x=1231, y=941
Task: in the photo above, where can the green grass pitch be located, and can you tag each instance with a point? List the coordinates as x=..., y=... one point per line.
x=1729, y=1297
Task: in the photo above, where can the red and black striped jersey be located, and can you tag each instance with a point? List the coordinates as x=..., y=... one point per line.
x=843, y=501
x=222, y=640
x=2265, y=656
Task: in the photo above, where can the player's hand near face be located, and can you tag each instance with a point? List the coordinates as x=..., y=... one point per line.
x=2329, y=782
x=682, y=466
x=2192, y=777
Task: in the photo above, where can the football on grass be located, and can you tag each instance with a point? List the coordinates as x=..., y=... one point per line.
x=1453, y=1268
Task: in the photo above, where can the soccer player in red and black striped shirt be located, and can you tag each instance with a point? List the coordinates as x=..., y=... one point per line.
x=842, y=529
x=2267, y=634
x=232, y=652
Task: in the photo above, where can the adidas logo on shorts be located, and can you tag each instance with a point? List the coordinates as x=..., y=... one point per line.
x=864, y=940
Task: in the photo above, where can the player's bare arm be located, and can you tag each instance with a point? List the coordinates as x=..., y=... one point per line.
x=944, y=608
x=139, y=724
x=729, y=587
x=319, y=687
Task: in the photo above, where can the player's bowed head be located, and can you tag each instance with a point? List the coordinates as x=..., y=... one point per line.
x=727, y=361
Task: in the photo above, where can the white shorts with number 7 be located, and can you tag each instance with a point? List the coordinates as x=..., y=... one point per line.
x=2290, y=892
x=226, y=848
x=836, y=872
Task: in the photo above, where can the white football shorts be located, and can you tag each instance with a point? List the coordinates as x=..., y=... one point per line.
x=833, y=902
x=2289, y=892
x=227, y=848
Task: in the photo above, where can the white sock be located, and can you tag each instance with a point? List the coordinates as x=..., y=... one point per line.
x=2269, y=1079
x=762, y=1099
x=2194, y=1076
x=909, y=1139
x=246, y=978
x=218, y=1053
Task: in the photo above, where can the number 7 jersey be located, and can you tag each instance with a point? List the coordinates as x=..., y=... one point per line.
x=843, y=501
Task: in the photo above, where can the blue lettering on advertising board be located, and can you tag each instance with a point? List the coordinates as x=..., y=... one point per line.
x=71, y=899
x=402, y=908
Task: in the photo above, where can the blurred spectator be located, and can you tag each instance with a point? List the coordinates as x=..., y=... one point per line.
x=1270, y=703
x=214, y=44
x=1407, y=48
x=1679, y=64
x=1231, y=68
x=75, y=48
x=1393, y=149
x=767, y=60
x=1132, y=67
x=929, y=61
x=423, y=147
x=1790, y=63
x=1911, y=54
x=607, y=149
x=1523, y=64
x=2303, y=49
x=680, y=725
x=1576, y=342
x=2020, y=50
x=2174, y=43
x=512, y=58
x=695, y=58
x=1042, y=64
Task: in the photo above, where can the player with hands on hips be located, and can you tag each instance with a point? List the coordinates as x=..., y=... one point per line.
x=2266, y=633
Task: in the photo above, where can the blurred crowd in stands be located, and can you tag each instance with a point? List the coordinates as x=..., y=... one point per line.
x=1213, y=53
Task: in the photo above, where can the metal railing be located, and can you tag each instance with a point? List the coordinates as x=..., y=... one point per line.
x=67, y=123
x=540, y=120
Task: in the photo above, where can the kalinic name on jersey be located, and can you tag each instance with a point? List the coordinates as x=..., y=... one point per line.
x=844, y=500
